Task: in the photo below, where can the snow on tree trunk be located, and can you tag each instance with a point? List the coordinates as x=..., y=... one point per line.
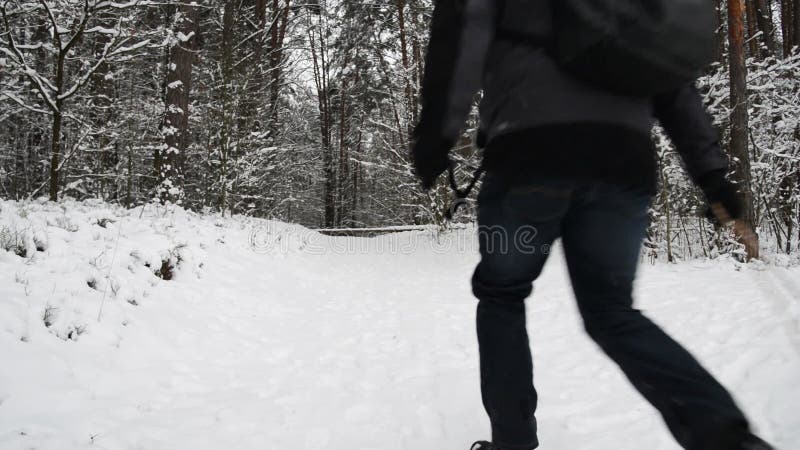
x=739, y=147
x=175, y=128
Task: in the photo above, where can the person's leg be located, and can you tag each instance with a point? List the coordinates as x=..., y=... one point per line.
x=516, y=227
x=602, y=236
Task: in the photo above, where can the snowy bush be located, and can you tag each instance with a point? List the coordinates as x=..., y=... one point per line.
x=14, y=240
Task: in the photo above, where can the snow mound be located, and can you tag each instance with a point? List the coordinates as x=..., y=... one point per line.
x=74, y=269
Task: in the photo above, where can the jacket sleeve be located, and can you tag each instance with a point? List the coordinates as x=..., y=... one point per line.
x=689, y=126
x=461, y=33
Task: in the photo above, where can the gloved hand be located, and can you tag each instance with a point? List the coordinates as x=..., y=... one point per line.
x=430, y=159
x=718, y=189
x=726, y=204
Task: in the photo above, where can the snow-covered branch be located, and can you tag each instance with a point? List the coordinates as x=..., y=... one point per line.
x=17, y=58
x=81, y=26
x=19, y=101
x=53, y=23
x=119, y=5
x=114, y=47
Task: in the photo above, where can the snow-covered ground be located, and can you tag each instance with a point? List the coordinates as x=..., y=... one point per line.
x=272, y=336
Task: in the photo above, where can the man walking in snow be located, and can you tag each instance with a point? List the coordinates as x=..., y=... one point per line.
x=573, y=160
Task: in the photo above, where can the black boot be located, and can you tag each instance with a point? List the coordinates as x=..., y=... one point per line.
x=753, y=442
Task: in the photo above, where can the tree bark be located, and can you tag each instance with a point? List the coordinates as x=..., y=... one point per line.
x=101, y=115
x=752, y=28
x=254, y=74
x=176, y=118
x=55, y=157
x=739, y=118
x=721, y=35
x=320, y=64
x=226, y=130
x=795, y=23
x=787, y=28
x=55, y=139
x=276, y=59
x=766, y=25
x=409, y=99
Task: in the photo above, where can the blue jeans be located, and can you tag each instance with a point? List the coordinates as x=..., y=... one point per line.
x=601, y=227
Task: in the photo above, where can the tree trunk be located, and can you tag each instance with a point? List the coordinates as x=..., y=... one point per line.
x=176, y=118
x=19, y=163
x=739, y=118
x=226, y=130
x=129, y=181
x=55, y=157
x=101, y=115
x=320, y=64
x=766, y=25
x=276, y=59
x=407, y=69
x=665, y=197
x=752, y=28
x=356, y=179
x=787, y=28
x=795, y=23
x=344, y=134
x=34, y=177
x=55, y=140
x=786, y=192
x=254, y=74
x=416, y=47
x=721, y=35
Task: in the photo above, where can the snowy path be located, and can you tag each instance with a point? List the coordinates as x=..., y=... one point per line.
x=345, y=350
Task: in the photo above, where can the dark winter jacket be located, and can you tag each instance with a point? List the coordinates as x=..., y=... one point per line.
x=534, y=116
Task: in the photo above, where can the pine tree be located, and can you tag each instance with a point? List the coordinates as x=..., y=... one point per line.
x=178, y=88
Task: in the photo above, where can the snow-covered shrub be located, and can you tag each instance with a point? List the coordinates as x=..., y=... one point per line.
x=64, y=222
x=13, y=240
x=170, y=261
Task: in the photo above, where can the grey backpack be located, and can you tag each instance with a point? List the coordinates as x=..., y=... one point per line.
x=638, y=48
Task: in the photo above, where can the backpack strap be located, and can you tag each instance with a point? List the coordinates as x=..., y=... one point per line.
x=461, y=194
x=503, y=33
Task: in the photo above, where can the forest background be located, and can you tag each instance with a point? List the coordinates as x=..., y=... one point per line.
x=301, y=111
